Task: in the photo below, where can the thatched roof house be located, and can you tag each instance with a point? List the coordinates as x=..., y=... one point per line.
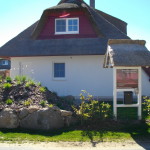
x=65, y=50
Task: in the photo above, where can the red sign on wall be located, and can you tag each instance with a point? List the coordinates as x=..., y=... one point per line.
x=127, y=78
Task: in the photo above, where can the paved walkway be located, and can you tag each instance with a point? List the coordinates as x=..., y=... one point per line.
x=75, y=146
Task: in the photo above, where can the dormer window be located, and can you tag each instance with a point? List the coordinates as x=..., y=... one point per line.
x=67, y=26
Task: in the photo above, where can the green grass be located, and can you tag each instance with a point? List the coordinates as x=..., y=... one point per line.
x=126, y=129
x=129, y=131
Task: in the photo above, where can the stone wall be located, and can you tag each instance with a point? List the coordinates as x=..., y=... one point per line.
x=35, y=118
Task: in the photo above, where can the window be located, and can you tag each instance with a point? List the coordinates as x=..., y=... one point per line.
x=67, y=26
x=59, y=70
x=4, y=62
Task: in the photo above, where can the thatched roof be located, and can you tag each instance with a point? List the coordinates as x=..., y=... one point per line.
x=127, y=53
x=28, y=44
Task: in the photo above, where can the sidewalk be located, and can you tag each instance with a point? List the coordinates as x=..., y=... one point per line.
x=75, y=146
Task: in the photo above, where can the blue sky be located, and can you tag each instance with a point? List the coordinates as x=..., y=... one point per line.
x=17, y=15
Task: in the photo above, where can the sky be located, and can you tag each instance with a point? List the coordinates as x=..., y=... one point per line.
x=17, y=15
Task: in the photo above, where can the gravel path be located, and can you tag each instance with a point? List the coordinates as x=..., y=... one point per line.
x=75, y=146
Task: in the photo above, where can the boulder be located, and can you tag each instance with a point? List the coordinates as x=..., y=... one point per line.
x=33, y=108
x=45, y=118
x=23, y=113
x=8, y=119
x=65, y=113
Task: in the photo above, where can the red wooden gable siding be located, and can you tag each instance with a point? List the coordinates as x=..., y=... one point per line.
x=85, y=28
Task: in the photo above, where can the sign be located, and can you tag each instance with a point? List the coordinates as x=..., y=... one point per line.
x=127, y=78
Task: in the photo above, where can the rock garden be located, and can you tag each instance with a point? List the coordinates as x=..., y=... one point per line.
x=26, y=104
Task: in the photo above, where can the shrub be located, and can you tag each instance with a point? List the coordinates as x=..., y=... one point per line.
x=42, y=89
x=7, y=86
x=147, y=105
x=8, y=79
x=91, y=110
x=43, y=103
x=9, y=101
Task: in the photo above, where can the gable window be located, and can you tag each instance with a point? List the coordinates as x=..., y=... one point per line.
x=59, y=70
x=4, y=62
x=67, y=26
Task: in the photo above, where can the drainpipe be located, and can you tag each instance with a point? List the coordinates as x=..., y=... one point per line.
x=92, y=3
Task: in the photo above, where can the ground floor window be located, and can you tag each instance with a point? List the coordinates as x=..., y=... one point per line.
x=59, y=70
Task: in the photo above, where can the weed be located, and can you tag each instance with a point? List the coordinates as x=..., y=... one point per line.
x=7, y=86
x=27, y=102
x=43, y=103
x=42, y=89
x=8, y=79
x=9, y=101
x=50, y=105
x=29, y=83
x=21, y=79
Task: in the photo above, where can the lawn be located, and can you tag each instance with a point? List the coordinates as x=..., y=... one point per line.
x=125, y=129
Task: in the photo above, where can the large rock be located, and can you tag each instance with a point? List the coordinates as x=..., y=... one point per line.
x=23, y=113
x=66, y=113
x=8, y=119
x=45, y=119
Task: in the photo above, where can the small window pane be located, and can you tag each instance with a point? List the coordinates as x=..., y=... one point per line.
x=61, y=25
x=75, y=22
x=70, y=28
x=70, y=22
x=75, y=28
x=59, y=70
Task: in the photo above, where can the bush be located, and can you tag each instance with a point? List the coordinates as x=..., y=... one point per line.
x=7, y=86
x=147, y=105
x=43, y=103
x=92, y=110
x=9, y=101
x=8, y=79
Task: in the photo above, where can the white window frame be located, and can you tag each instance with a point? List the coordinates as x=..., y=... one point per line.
x=58, y=78
x=4, y=62
x=67, y=20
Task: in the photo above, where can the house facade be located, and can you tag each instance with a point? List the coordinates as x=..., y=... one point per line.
x=65, y=50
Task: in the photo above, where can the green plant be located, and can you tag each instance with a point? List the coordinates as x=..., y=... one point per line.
x=29, y=83
x=21, y=79
x=43, y=103
x=27, y=102
x=147, y=105
x=9, y=101
x=8, y=79
x=1, y=78
x=7, y=86
x=50, y=105
x=39, y=84
x=90, y=109
x=42, y=89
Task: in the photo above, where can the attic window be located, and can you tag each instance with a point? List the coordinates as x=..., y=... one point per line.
x=67, y=26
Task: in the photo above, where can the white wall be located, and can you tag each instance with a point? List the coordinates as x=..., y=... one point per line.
x=82, y=73
x=145, y=84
